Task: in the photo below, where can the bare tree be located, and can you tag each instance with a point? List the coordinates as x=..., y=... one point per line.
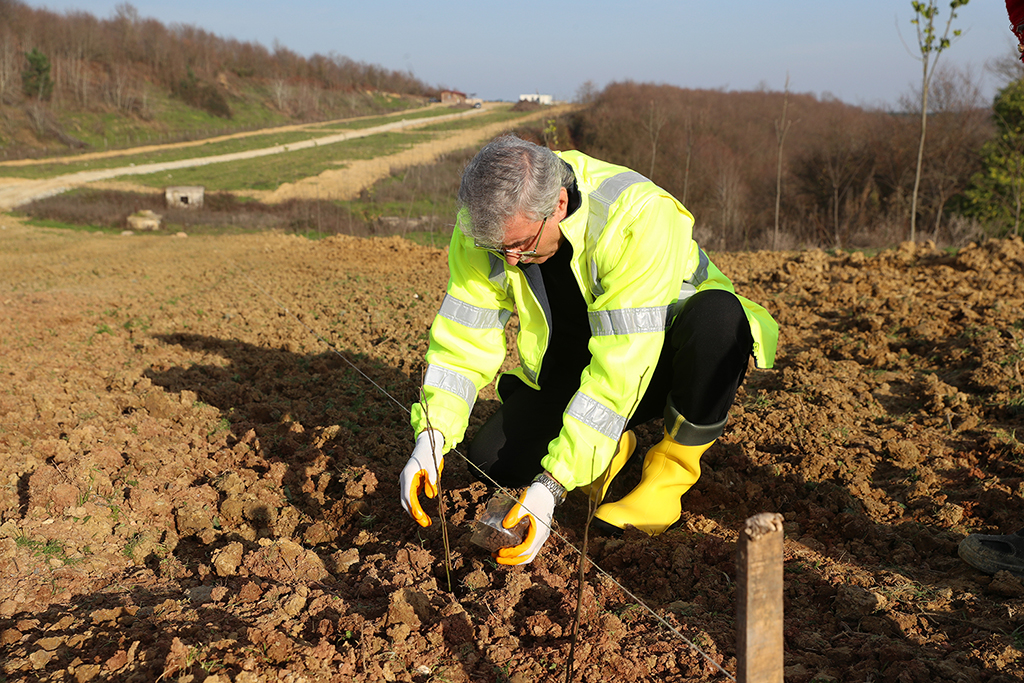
x=960, y=126
x=587, y=93
x=843, y=161
x=831, y=172
x=689, y=152
x=692, y=133
x=120, y=89
x=781, y=128
x=280, y=89
x=729, y=200
x=656, y=120
x=10, y=58
x=1008, y=67
x=930, y=46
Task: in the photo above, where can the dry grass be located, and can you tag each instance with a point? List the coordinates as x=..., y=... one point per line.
x=418, y=200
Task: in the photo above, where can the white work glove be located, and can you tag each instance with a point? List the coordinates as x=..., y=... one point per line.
x=537, y=503
x=421, y=474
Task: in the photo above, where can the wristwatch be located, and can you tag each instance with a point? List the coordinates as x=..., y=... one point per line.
x=551, y=484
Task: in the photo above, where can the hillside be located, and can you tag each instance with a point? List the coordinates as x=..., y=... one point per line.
x=383, y=175
x=777, y=170
x=73, y=82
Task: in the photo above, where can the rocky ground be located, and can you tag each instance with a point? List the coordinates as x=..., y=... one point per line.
x=202, y=438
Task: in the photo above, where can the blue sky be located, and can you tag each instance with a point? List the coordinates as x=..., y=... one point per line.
x=851, y=50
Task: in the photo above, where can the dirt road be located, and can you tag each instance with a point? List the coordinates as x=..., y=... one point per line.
x=333, y=184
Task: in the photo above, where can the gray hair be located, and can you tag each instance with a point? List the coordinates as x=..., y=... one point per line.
x=507, y=177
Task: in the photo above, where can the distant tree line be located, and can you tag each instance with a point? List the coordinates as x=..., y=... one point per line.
x=75, y=60
x=846, y=174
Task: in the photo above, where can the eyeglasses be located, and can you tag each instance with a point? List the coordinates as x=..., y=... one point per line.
x=505, y=253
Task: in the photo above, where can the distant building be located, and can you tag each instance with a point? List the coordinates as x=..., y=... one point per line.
x=184, y=197
x=539, y=99
x=452, y=97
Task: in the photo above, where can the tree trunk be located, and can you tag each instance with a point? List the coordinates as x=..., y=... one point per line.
x=689, y=154
x=780, y=135
x=920, y=153
x=835, y=217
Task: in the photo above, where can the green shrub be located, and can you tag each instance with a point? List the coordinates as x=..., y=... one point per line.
x=203, y=96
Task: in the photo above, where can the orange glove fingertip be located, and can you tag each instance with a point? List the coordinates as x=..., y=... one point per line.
x=513, y=516
x=419, y=482
x=422, y=518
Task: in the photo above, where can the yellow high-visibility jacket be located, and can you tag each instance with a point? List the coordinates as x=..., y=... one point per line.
x=634, y=260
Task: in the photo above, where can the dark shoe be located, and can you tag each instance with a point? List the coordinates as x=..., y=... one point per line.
x=991, y=554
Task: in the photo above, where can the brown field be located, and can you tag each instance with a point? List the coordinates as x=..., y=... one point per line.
x=202, y=437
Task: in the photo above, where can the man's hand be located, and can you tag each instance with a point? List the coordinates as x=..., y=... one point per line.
x=537, y=503
x=421, y=474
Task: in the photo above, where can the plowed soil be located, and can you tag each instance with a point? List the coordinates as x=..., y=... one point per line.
x=202, y=438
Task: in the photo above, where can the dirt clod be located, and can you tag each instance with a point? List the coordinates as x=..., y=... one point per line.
x=227, y=559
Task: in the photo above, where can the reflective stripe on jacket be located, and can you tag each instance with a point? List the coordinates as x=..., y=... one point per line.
x=634, y=260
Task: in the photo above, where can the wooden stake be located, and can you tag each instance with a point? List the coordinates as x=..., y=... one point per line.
x=759, y=600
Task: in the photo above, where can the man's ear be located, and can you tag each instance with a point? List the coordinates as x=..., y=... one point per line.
x=562, y=207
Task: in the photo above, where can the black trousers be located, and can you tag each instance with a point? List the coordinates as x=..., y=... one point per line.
x=702, y=364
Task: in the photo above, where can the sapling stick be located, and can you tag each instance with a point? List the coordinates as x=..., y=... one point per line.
x=440, y=492
x=593, y=500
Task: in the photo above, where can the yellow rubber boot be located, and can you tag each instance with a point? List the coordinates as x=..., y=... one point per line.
x=670, y=469
x=598, y=488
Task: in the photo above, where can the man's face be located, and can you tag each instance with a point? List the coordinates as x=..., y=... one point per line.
x=541, y=236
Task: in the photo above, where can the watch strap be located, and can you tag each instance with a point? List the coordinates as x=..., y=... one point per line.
x=552, y=485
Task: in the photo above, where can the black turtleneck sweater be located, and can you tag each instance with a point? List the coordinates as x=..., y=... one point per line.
x=570, y=325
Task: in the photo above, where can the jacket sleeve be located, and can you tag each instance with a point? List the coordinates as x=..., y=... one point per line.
x=643, y=257
x=467, y=341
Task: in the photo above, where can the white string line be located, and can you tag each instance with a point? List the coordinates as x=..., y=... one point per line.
x=551, y=529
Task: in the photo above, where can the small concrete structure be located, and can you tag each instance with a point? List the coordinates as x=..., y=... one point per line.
x=144, y=220
x=184, y=197
x=539, y=99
